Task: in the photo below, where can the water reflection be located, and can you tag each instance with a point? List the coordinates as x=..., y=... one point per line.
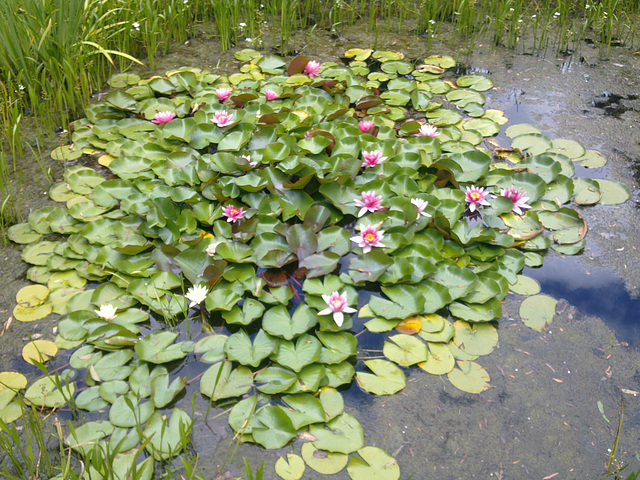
x=595, y=291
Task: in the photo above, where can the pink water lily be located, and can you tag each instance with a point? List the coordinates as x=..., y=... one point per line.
x=420, y=205
x=312, y=68
x=365, y=125
x=517, y=197
x=163, y=117
x=223, y=93
x=428, y=130
x=270, y=94
x=233, y=213
x=249, y=161
x=476, y=197
x=222, y=118
x=336, y=305
x=370, y=202
x=369, y=237
x=372, y=158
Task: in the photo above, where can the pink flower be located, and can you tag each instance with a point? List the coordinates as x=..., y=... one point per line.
x=420, y=205
x=223, y=93
x=370, y=203
x=517, y=197
x=163, y=117
x=428, y=130
x=369, y=237
x=336, y=305
x=365, y=125
x=249, y=161
x=270, y=95
x=233, y=213
x=312, y=68
x=222, y=118
x=476, y=196
x=372, y=158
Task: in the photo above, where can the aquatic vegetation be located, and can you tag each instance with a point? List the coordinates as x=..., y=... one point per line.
x=262, y=222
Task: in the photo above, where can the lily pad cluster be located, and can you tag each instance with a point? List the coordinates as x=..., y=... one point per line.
x=267, y=205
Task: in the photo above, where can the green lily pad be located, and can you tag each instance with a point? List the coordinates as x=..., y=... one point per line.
x=469, y=377
x=476, y=339
x=405, y=350
x=592, y=159
x=45, y=392
x=475, y=82
x=298, y=355
x=386, y=378
x=168, y=434
x=613, y=193
x=440, y=360
x=525, y=286
x=538, y=311
x=241, y=348
x=220, y=381
x=374, y=464
x=272, y=428
x=343, y=434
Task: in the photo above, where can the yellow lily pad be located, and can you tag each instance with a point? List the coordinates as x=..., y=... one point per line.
x=39, y=350
x=291, y=468
x=32, y=296
x=440, y=360
x=327, y=463
x=31, y=314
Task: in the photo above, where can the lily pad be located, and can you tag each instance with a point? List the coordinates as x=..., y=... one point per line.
x=291, y=468
x=326, y=463
x=538, y=311
x=343, y=434
x=469, y=377
x=386, y=378
x=440, y=361
x=39, y=351
x=405, y=350
x=374, y=464
x=476, y=339
x=613, y=193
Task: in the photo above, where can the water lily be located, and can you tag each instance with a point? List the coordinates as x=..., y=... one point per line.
x=476, y=197
x=420, y=205
x=428, y=130
x=517, y=197
x=222, y=118
x=372, y=158
x=233, y=213
x=223, y=93
x=336, y=305
x=249, y=161
x=211, y=248
x=163, y=117
x=197, y=294
x=370, y=202
x=312, y=68
x=270, y=94
x=106, y=312
x=365, y=125
x=369, y=237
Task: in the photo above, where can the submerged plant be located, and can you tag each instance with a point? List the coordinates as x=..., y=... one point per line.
x=274, y=224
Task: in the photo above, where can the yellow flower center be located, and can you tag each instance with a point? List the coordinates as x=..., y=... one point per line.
x=370, y=237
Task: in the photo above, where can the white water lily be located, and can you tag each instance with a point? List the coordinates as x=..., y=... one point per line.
x=106, y=312
x=197, y=294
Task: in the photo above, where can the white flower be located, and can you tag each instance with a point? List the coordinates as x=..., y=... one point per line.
x=242, y=24
x=337, y=305
x=106, y=312
x=420, y=205
x=136, y=25
x=211, y=248
x=197, y=294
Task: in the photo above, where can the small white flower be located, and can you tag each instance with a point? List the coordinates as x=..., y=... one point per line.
x=106, y=312
x=211, y=248
x=248, y=40
x=197, y=294
x=242, y=24
x=136, y=25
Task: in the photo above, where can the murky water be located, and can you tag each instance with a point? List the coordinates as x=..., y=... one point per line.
x=540, y=417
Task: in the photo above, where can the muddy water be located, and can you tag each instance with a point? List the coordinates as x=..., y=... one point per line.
x=540, y=418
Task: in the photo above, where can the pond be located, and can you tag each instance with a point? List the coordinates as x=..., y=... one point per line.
x=541, y=417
